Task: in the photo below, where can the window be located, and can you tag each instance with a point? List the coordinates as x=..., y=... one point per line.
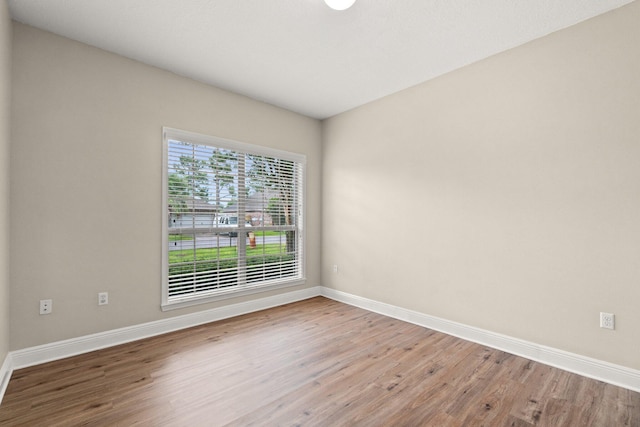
x=233, y=220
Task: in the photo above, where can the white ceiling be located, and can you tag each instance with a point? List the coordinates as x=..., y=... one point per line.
x=301, y=55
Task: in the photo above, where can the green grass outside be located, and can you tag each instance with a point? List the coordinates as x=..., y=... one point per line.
x=229, y=252
x=177, y=237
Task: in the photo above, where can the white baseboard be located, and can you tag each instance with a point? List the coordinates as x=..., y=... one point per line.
x=582, y=365
x=72, y=347
x=5, y=374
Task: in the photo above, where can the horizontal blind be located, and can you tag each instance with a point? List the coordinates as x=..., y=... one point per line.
x=235, y=216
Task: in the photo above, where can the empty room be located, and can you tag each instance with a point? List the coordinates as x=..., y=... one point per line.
x=319, y=213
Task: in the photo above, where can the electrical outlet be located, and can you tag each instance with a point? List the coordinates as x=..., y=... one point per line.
x=103, y=298
x=607, y=321
x=335, y=268
x=46, y=306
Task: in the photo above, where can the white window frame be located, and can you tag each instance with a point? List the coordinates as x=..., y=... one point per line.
x=170, y=303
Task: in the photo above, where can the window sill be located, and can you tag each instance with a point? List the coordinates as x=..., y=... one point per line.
x=228, y=294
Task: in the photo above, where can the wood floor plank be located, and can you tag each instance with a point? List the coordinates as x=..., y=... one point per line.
x=313, y=363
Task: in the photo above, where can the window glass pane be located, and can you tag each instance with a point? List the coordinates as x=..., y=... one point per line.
x=234, y=217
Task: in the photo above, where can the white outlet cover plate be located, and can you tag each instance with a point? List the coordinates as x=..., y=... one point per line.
x=103, y=298
x=46, y=306
x=607, y=320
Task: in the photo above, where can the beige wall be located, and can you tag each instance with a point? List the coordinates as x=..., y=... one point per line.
x=86, y=173
x=511, y=186
x=505, y=195
x=5, y=98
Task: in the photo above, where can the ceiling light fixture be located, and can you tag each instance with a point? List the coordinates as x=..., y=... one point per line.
x=339, y=4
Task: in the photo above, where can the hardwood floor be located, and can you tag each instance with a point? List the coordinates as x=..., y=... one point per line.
x=312, y=363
